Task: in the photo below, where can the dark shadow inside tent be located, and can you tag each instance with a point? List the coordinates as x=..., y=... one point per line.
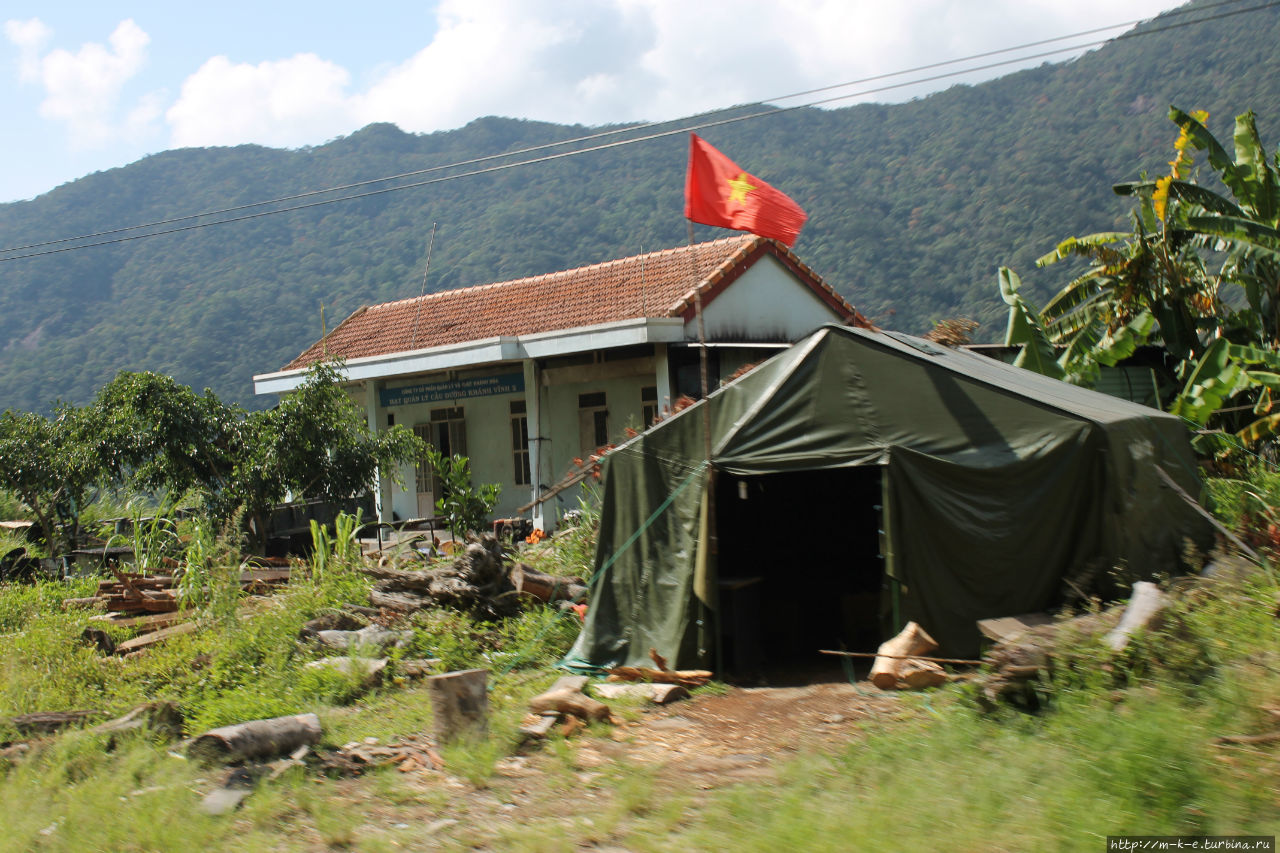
x=800, y=570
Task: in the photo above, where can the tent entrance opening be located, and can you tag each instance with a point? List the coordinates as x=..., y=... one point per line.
x=800, y=567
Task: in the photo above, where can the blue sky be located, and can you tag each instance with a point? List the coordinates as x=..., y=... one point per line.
x=87, y=86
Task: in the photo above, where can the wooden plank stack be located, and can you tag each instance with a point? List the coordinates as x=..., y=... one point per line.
x=136, y=593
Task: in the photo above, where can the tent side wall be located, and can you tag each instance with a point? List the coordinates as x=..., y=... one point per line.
x=972, y=542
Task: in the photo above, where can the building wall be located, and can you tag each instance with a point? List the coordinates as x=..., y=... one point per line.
x=766, y=303
x=488, y=428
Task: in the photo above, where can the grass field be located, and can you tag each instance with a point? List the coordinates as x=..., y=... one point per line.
x=1122, y=745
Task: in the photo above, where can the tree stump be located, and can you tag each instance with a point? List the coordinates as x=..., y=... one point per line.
x=459, y=704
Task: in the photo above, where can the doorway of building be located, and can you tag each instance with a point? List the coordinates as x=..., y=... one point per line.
x=800, y=569
x=447, y=432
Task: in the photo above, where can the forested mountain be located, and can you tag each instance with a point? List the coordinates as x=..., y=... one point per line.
x=912, y=208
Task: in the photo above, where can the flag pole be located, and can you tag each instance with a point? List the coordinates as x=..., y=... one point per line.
x=712, y=544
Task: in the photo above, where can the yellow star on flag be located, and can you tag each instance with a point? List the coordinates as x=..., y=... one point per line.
x=739, y=187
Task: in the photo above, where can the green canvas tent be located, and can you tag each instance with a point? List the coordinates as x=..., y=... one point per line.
x=860, y=479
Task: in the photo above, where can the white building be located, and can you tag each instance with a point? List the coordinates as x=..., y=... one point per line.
x=526, y=376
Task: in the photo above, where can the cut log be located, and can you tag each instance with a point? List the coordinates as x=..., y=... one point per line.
x=163, y=635
x=918, y=674
x=566, y=697
x=546, y=588
x=47, y=722
x=537, y=726
x=459, y=704
x=161, y=717
x=402, y=602
x=1004, y=629
x=912, y=640
x=368, y=637
x=658, y=694
x=145, y=624
x=1144, y=609
x=368, y=670
x=417, y=667
x=256, y=739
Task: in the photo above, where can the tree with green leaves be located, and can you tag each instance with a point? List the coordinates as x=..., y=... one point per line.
x=465, y=507
x=316, y=444
x=147, y=432
x=158, y=435
x=50, y=463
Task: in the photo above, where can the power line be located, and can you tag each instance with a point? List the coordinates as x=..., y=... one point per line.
x=613, y=132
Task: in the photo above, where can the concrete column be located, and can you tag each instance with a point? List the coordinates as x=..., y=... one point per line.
x=381, y=484
x=662, y=373
x=533, y=411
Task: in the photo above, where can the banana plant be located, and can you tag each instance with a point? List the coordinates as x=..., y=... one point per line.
x=1152, y=284
x=1246, y=225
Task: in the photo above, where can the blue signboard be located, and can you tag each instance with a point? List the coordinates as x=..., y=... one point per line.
x=458, y=389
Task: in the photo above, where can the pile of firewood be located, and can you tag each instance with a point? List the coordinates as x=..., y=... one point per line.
x=150, y=604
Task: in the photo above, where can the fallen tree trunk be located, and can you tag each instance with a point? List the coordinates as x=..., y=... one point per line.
x=475, y=582
x=911, y=641
x=546, y=588
x=256, y=739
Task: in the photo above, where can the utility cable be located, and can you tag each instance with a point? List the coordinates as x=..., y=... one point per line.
x=550, y=157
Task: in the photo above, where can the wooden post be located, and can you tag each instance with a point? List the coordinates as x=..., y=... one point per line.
x=459, y=703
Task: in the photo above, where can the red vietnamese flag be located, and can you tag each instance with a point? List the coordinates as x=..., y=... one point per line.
x=717, y=192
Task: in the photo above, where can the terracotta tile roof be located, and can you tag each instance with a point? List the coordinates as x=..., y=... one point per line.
x=658, y=284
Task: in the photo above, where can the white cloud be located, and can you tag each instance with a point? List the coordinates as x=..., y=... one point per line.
x=82, y=89
x=290, y=102
x=30, y=38
x=597, y=62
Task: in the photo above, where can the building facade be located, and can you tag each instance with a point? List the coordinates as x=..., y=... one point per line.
x=528, y=377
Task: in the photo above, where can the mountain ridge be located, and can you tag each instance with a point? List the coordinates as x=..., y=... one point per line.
x=912, y=208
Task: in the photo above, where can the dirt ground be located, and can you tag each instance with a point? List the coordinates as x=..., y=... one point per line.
x=744, y=734
x=694, y=746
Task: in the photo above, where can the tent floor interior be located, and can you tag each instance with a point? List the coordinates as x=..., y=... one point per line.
x=799, y=571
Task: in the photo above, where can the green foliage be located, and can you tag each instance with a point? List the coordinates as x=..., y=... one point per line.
x=210, y=568
x=153, y=540
x=464, y=506
x=315, y=443
x=149, y=433
x=1026, y=331
x=49, y=463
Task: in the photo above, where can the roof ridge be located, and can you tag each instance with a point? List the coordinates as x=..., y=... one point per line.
x=747, y=239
